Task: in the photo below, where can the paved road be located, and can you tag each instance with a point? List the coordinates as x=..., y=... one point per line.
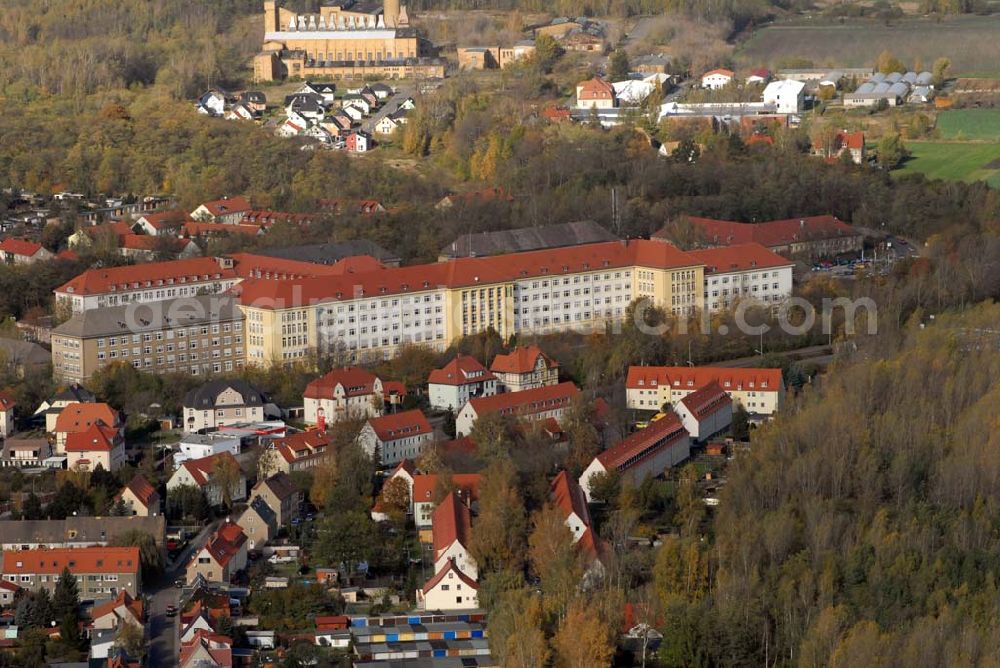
x=389, y=105
x=163, y=631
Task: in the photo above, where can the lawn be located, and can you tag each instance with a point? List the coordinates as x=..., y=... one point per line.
x=970, y=42
x=955, y=161
x=970, y=124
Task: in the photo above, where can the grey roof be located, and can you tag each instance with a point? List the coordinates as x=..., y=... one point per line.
x=868, y=87
x=207, y=439
x=204, y=397
x=21, y=353
x=924, y=79
x=331, y=253
x=152, y=316
x=910, y=77
x=381, y=87
x=898, y=89
x=878, y=77
x=922, y=91
x=527, y=239
x=87, y=529
x=893, y=77
x=259, y=505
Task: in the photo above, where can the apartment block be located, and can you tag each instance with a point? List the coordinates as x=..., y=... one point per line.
x=101, y=572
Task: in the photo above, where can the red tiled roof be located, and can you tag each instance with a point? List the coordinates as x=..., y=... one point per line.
x=463, y=446
x=464, y=272
x=146, y=242
x=118, y=228
x=9, y=586
x=222, y=207
x=723, y=71
x=123, y=599
x=528, y=402
x=97, y=438
x=172, y=272
x=463, y=370
x=140, y=488
x=467, y=485
x=693, y=378
x=332, y=622
x=739, y=257
x=521, y=360
x=165, y=219
x=20, y=247
x=78, y=417
x=554, y=113
x=450, y=522
x=355, y=381
x=706, y=400
x=850, y=140
x=448, y=568
x=394, y=426
x=224, y=544
x=568, y=496
x=67, y=255
x=762, y=72
x=303, y=445
x=78, y=559
x=405, y=465
x=218, y=647
x=7, y=401
x=393, y=387
x=771, y=233
x=202, y=469
x=594, y=89
x=663, y=433
x=363, y=206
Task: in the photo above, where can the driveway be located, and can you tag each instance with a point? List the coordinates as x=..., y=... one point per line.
x=164, y=643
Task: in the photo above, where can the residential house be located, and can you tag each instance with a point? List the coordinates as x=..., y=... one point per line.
x=300, y=452
x=364, y=103
x=221, y=558
x=240, y=112
x=396, y=436
x=115, y=613
x=333, y=631
x=207, y=650
x=8, y=592
x=392, y=122
x=451, y=530
x=359, y=142
x=311, y=108
x=383, y=91
x=567, y=495
x=255, y=100
x=161, y=223
x=258, y=522
x=758, y=76
x=22, y=251
x=541, y=403
x=717, y=79
x=706, y=411
x=212, y=103
x=198, y=446
x=645, y=453
x=760, y=392
x=327, y=91
x=75, y=532
x=79, y=417
x=463, y=378
x=343, y=393
x=25, y=452
x=101, y=572
x=787, y=96
x=449, y=589
x=425, y=494
x=202, y=473
x=220, y=403
x=99, y=445
x=140, y=497
x=524, y=368
x=227, y=210
x=844, y=142
x=281, y=495
x=595, y=94
x=583, y=41
x=354, y=112
x=7, y=406
x=291, y=127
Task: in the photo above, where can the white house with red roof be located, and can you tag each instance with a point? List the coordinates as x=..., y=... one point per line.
x=161, y=223
x=223, y=556
x=758, y=76
x=595, y=93
x=524, y=368
x=643, y=454
x=7, y=406
x=201, y=473
x=760, y=391
x=744, y=272
x=717, y=79
x=207, y=649
x=301, y=451
x=463, y=378
x=567, y=495
x=98, y=445
x=451, y=531
x=449, y=589
x=140, y=497
x=22, y=251
x=425, y=493
x=117, y=612
x=228, y=210
x=706, y=411
x=396, y=436
x=349, y=392
x=541, y=403
x=8, y=591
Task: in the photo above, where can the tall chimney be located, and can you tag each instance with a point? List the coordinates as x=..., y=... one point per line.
x=390, y=10
x=271, y=16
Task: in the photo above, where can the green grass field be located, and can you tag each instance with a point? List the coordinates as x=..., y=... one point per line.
x=955, y=161
x=970, y=124
x=970, y=42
